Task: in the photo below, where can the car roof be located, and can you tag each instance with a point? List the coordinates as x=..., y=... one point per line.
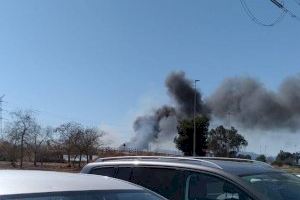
x=25, y=182
x=242, y=167
x=233, y=166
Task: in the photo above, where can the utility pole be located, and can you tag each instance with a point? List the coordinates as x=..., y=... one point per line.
x=1, y=117
x=229, y=127
x=229, y=119
x=265, y=150
x=260, y=149
x=195, y=104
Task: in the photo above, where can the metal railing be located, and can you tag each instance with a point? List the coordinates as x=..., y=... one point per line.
x=235, y=160
x=188, y=160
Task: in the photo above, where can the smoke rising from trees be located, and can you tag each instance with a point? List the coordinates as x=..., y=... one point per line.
x=161, y=124
x=247, y=102
x=149, y=128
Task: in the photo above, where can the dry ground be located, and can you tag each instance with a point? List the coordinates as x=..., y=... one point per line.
x=290, y=169
x=63, y=167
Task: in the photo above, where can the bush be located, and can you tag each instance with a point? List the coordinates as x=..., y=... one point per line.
x=278, y=163
x=261, y=158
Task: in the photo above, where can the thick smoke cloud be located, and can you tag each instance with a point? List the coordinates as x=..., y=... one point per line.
x=160, y=125
x=149, y=128
x=244, y=100
x=290, y=94
x=182, y=91
x=250, y=105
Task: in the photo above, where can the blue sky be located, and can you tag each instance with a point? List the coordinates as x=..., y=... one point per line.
x=103, y=61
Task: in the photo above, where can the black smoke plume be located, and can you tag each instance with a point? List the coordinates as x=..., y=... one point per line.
x=161, y=124
x=250, y=105
x=182, y=91
x=243, y=100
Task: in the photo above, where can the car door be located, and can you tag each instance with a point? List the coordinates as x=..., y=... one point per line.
x=167, y=182
x=124, y=173
x=203, y=186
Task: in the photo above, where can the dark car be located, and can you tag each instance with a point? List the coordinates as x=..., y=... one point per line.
x=178, y=178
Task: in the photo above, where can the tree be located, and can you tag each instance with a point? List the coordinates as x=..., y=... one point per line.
x=91, y=141
x=225, y=142
x=22, y=127
x=77, y=140
x=39, y=137
x=7, y=152
x=184, y=140
x=297, y=157
x=243, y=156
x=88, y=141
x=68, y=134
x=261, y=158
x=285, y=158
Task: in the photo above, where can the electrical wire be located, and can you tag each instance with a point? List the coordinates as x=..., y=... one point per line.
x=260, y=22
x=284, y=9
x=293, y=15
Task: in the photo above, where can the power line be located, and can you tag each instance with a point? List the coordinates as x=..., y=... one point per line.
x=259, y=21
x=284, y=9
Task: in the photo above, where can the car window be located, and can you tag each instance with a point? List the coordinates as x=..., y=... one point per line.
x=124, y=173
x=166, y=182
x=276, y=186
x=104, y=171
x=206, y=187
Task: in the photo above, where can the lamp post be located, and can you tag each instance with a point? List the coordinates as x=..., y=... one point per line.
x=195, y=104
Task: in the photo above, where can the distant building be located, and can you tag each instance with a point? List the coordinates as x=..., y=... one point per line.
x=76, y=159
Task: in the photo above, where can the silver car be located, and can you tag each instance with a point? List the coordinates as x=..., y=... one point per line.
x=41, y=185
x=201, y=178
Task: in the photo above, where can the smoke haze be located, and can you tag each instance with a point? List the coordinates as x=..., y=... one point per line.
x=250, y=105
x=243, y=100
x=160, y=125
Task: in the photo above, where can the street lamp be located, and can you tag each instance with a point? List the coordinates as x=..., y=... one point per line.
x=195, y=104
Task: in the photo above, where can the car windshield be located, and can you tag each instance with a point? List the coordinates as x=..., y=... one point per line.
x=86, y=195
x=276, y=186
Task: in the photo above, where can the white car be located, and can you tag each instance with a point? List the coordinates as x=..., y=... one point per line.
x=298, y=175
x=42, y=185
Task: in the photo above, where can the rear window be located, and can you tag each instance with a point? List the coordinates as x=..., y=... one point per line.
x=105, y=171
x=166, y=182
x=124, y=173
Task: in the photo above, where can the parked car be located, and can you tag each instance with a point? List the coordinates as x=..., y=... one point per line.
x=41, y=185
x=178, y=178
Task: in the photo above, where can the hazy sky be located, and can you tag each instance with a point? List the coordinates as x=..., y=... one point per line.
x=102, y=62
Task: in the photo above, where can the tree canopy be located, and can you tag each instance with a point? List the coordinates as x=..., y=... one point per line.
x=261, y=158
x=225, y=142
x=184, y=140
x=286, y=158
